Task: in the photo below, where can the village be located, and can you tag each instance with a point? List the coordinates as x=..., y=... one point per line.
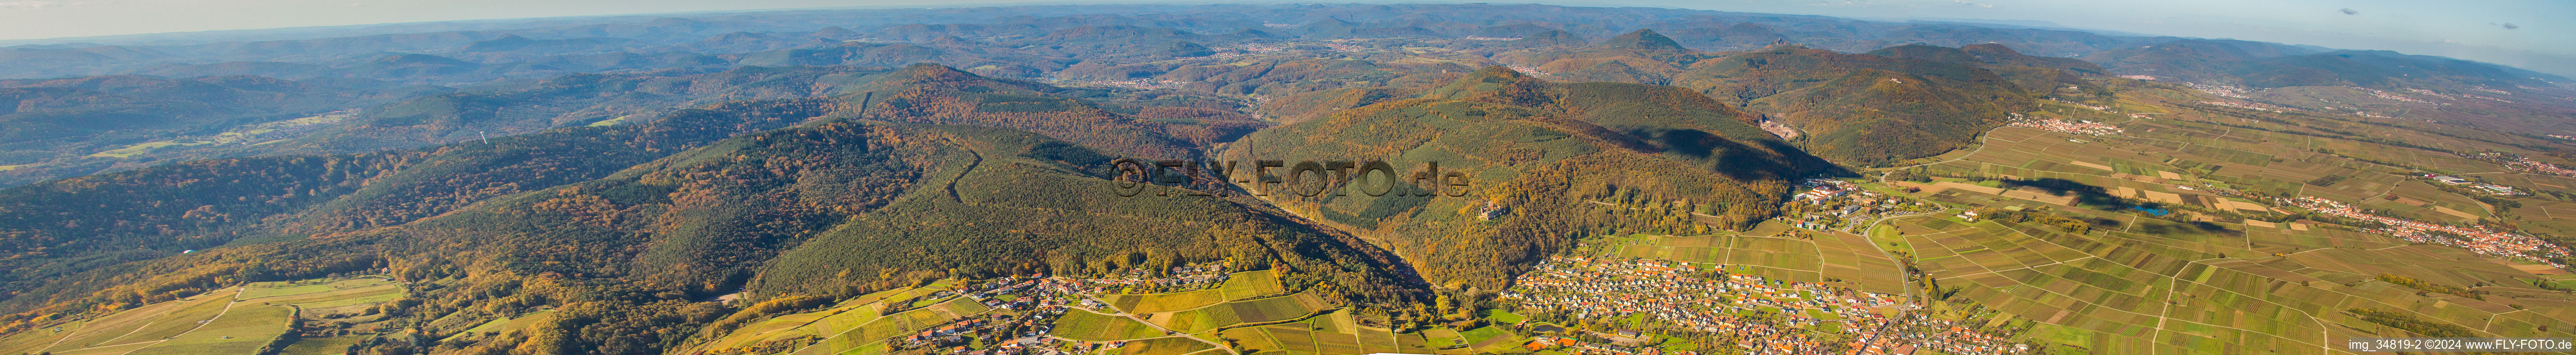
x=1021, y=310
x=2386, y=95
x=1828, y=204
x=2517, y=162
x=2250, y=106
x=1762, y=316
x=1915, y=332
x=2081, y=127
x=2220, y=90
x=2477, y=239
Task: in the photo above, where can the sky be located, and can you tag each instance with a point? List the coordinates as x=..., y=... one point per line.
x=2527, y=33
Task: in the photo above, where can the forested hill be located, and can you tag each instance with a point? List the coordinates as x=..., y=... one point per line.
x=836, y=181
x=65, y=125
x=88, y=228
x=932, y=93
x=233, y=118
x=1863, y=109
x=1542, y=148
x=203, y=204
x=625, y=253
x=1889, y=105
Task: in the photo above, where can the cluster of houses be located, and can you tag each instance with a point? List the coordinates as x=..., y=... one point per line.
x=2389, y=96
x=1908, y=334
x=1021, y=309
x=2250, y=106
x=1836, y=204
x=2523, y=164
x=2080, y=104
x=2083, y=127
x=1574, y=346
x=2451, y=96
x=2220, y=90
x=2477, y=239
x=1766, y=316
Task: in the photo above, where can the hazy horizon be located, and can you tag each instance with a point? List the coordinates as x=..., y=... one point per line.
x=2514, y=32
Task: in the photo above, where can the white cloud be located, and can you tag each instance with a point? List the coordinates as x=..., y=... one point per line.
x=17, y=5
x=28, y=4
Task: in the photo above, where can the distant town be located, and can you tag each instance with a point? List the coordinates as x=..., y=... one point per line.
x=1763, y=316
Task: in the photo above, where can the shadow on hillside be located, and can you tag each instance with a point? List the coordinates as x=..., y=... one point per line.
x=1775, y=160
x=2183, y=228
x=2086, y=195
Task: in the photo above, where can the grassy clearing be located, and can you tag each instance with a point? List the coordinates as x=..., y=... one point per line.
x=321, y=293
x=164, y=326
x=281, y=288
x=112, y=329
x=183, y=327
x=244, y=330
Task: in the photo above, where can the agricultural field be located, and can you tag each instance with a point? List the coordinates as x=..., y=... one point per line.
x=849, y=314
x=855, y=326
x=1250, y=284
x=1087, y=326
x=1336, y=333
x=1166, y=346
x=2176, y=288
x=1841, y=259
x=1230, y=314
x=1165, y=302
x=852, y=324
x=323, y=295
x=245, y=329
x=2209, y=278
x=125, y=330
x=233, y=321
x=873, y=332
x=2180, y=163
